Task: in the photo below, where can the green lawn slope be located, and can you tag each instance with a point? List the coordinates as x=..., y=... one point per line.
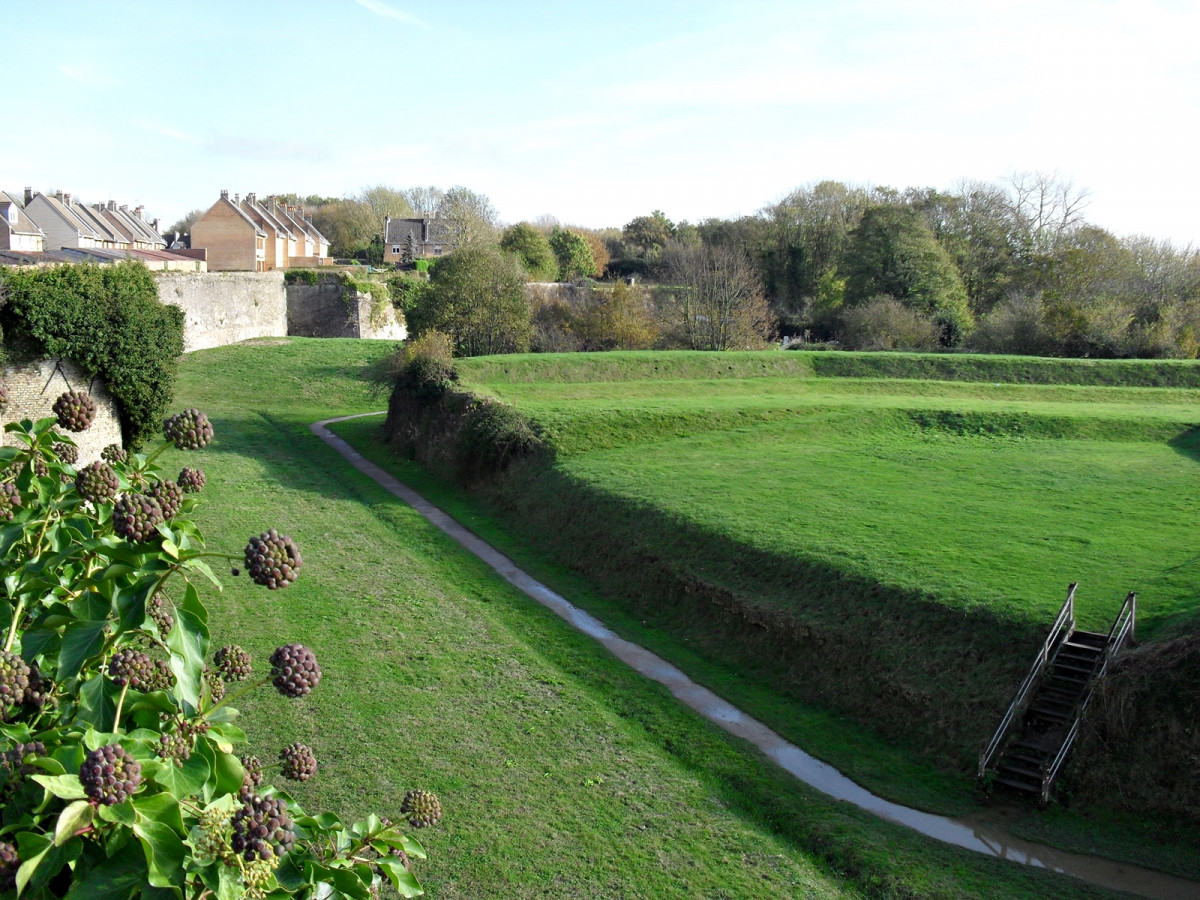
x=561, y=773
x=864, y=560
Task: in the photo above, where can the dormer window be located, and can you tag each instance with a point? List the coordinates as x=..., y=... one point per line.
x=12, y=214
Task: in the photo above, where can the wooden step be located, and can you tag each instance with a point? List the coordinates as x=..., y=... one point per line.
x=1033, y=761
x=1023, y=771
x=1019, y=785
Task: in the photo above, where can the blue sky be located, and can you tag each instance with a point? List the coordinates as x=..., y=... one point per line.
x=598, y=112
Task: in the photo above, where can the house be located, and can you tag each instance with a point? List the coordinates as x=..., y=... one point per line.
x=61, y=226
x=110, y=237
x=312, y=247
x=17, y=231
x=281, y=242
x=255, y=236
x=140, y=234
x=234, y=241
x=407, y=239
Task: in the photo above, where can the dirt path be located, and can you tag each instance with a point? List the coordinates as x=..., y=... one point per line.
x=982, y=838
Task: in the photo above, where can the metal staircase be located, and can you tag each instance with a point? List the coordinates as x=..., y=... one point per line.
x=1036, y=733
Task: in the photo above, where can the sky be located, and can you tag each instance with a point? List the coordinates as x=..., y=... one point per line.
x=598, y=112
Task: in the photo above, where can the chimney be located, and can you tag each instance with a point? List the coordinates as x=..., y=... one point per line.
x=66, y=199
x=28, y=195
x=224, y=194
x=308, y=217
x=139, y=211
x=250, y=198
x=237, y=199
x=112, y=205
x=124, y=207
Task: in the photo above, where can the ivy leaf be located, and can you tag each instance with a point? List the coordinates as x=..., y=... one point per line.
x=98, y=703
x=65, y=787
x=161, y=808
x=183, y=781
x=73, y=819
x=188, y=642
x=402, y=880
x=115, y=878
x=81, y=641
x=193, y=604
x=164, y=853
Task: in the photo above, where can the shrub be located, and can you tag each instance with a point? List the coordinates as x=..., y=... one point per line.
x=118, y=776
x=886, y=324
x=493, y=435
x=108, y=319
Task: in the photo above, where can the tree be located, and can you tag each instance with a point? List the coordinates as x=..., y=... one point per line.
x=469, y=218
x=424, y=201
x=531, y=249
x=573, y=254
x=477, y=296
x=616, y=318
x=384, y=201
x=716, y=300
x=1045, y=208
x=894, y=252
x=648, y=235
x=184, y=225
x=350, y=226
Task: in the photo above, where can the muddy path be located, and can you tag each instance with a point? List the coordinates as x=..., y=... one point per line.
x=980, y=836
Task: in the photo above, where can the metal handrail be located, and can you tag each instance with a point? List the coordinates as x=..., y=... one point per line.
x=1122, y=627
x=1064, y=623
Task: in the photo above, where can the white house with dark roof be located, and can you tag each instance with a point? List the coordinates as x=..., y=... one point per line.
x=17, y=230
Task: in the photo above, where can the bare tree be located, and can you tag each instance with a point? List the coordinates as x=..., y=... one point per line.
x=1045, y=207
x=717, y=300
x=425, y=201
x=384, y=201
x=468, y=218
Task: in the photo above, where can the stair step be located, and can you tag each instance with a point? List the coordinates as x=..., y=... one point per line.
x=1037, y=761
x=1052, y=715
x=1091, y=638
x=1066, y=666
x=1024, y=771
x=1019, y=785
x=1069, y=695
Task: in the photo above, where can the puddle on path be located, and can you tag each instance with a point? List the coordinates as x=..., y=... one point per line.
x=978, y=837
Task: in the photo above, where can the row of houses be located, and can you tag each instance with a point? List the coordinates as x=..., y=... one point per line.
x=58, y=228
x=246, y=234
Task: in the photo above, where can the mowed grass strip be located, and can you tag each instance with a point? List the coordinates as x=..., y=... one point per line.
x=562, y=774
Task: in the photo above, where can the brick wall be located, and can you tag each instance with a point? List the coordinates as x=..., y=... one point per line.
x=34, y=386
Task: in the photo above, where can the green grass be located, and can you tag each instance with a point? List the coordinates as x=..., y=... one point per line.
x=948, y=516
x=562, y=773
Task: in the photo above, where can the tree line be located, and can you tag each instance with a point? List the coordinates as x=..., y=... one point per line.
x=1010, y=267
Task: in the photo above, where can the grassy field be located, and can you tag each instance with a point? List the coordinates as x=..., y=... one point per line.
x=561, y=773
x=994, y=494
x=867, y=563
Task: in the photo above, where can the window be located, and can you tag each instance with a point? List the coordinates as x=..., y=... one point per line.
x=395, y=248
x=437, y=250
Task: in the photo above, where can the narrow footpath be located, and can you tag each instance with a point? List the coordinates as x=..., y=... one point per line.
x=980, y=838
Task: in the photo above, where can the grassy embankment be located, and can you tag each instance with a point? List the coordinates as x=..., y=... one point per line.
x=561, y=773
x=779, y=533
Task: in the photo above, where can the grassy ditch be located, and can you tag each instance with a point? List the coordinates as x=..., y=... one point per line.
x=562, y=774
x=781, y=536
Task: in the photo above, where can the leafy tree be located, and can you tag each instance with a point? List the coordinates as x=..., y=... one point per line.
x=599, y=250
x=884, y=323
x=573, y=254
x=350, y=226
x=477, y=296
x=531, y=249
x=616, y=318
x=893, y=252
x=649, y=235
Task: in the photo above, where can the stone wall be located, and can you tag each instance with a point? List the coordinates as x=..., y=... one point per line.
x=34, y=386
x=329, y=309
x=226, y=307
